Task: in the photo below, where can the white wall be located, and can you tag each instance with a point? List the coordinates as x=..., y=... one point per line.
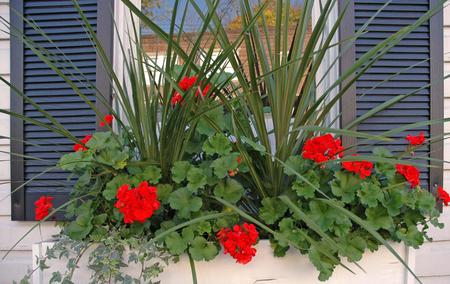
x=17, y=263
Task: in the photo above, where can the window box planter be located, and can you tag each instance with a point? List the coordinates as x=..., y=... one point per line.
x=380, y=266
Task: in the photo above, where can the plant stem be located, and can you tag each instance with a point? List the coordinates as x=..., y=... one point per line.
x=194, y=274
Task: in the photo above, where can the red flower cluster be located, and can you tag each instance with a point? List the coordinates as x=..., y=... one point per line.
x=82, y=147
x=186, y=84
x=443, y=195
x=108, y=119
x=137, y=204
x=363, y=168
x=416, y=140
x=42, y=206
x=322, y=148
x=410, y=173
x=238, y=242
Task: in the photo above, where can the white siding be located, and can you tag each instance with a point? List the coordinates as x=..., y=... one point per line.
x=432, y=263
x=15, y=266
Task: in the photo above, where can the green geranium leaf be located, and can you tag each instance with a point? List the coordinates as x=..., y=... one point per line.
x=184, y=202
x=180, y=170
x=229, y=189
x=345, y=186
x=201, y=249
x=352, y=247
x=164, y=191
x=203, y=227
x=304, y=189
x=215, y=115
x=370, y=194
x=84, y=179
x=113, y=185
x=100, y=141
x=196, y=179
x=175, y=243
x=114, y=158
x=426, y=202
x=218, y=144
x=411, y=236
x=295, y=165
x=322, y=263
x=329, y=218
x=289, y=233
x=394, y=201
x=75, y=162
x=379, y=218
x=272, y=210
x=78, y=232
x=222, y=165
x=322, y=214
x=382, y=152
x=82, y=226
x=99, y=219
x=151, y=174
x=188, y=234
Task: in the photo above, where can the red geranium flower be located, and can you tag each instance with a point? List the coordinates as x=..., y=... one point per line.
x=77, y=147
x=322, y=148
x=416, y=140
x=363, y=168
x=137, y=204
x=239, y=241
x=176, y=98
x=42, y=206
x=204, y=92
x=108, y=119
x=443, y=195
x=187, y=82
x=410, y=173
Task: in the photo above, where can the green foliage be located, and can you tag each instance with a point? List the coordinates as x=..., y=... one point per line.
x=379, y=218
x=304, y=189
x=196, y=178
x=217, y=144
x=180, y=170
x=229, y=189
x=184, y=202
x=345, y=186
x=201, y=249
x=370, y=194
x=272, y=210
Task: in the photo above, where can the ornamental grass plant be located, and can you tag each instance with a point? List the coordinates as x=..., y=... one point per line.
x=194, y=160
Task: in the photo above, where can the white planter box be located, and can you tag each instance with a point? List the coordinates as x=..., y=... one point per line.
x=380, y=267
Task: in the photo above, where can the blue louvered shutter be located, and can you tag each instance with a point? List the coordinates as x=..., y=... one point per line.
x=67, y=41
x=421, y=49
